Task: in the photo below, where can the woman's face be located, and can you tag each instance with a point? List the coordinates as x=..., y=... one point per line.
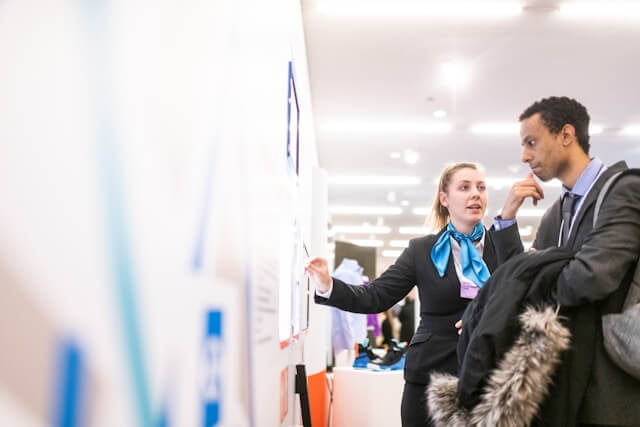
x=466, y=198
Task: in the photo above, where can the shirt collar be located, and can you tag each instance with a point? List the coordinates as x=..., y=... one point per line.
x=479, y=244
x=586, y=178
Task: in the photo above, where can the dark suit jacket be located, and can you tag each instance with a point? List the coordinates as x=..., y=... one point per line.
x=433, y=347
x=596, y=279
x=407, y=318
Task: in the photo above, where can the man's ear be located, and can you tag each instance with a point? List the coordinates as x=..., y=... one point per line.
x=568, y=133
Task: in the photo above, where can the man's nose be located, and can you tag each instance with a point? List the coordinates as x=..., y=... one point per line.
x=526, y=156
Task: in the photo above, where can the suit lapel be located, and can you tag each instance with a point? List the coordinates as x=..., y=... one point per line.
x=592, y=197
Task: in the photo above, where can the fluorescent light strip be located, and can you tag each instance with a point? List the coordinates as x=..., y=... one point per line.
x=399, y=243
x=496, y=128
x=529, y=213
x=391, y=253
x=599, y=10
x=367, y=229
x=420, y=211
x=374, y=180
x=365, y=210
x=421, y=231
x=633, y=129
x=390, y=127
x=369, y=243
x=498, y=183
x=421, y=10
x=514, y=129
x=596, y=129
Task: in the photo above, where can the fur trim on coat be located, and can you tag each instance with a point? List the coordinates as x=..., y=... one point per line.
x=517, y=387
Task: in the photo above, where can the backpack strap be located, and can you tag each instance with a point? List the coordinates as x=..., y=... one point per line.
x=606, y=187
x=633, y=295
x=601, y=195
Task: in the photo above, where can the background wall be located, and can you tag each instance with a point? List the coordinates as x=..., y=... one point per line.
x=145, y=204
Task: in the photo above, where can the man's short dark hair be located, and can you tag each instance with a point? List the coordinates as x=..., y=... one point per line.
x=557, y=111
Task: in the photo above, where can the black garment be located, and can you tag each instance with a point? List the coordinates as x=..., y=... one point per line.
x=597, y=280
x=407, y=320
x=386, y=332
x=414, y=397
x=491, y=320
x=433, y=346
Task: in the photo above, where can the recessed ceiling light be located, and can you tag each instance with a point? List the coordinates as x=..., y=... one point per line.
x=395, y=155
x=391, y=196
x=374, y=180
x=455, y=75
x=404, y=203
x=439, y=114
x=365, y=210
x=411, y=157
x=399, y=243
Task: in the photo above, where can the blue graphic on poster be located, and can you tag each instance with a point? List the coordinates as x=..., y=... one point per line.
x=211, y=387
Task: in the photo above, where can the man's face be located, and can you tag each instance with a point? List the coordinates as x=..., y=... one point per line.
x=541, y=149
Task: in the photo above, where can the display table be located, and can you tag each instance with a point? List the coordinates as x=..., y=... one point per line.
x=366, y=398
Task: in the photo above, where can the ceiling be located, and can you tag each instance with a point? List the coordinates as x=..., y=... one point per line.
x=381, y=72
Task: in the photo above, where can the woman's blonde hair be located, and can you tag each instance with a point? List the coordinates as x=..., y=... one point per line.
x=439, y=216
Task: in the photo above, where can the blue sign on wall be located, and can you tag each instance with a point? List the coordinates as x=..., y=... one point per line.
x=211, y=392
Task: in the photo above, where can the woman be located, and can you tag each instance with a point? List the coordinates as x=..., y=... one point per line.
x=448, y=268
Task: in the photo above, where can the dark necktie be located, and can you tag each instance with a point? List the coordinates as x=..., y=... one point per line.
x=568, y=202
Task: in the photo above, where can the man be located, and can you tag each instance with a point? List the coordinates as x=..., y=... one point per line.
x=555, y=144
